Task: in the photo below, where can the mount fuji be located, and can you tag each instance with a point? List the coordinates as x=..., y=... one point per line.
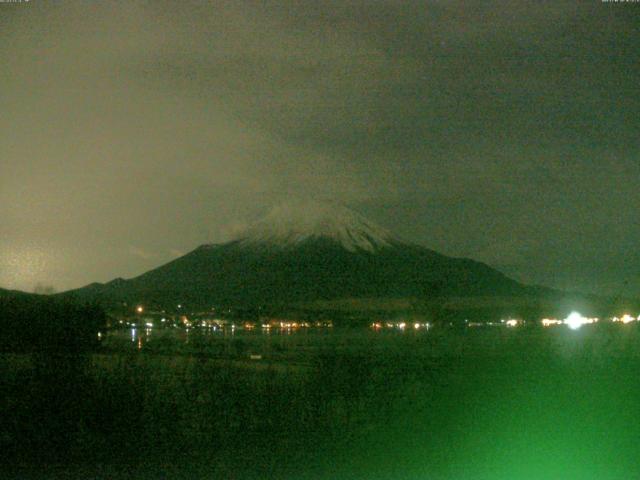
x=308, y=252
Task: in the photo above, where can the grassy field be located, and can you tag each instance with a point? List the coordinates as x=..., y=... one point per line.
x=447, y=404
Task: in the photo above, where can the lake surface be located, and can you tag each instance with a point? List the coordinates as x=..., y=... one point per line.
x=490, y=403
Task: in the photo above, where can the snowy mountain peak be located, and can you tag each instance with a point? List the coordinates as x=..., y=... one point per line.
x=289, y=224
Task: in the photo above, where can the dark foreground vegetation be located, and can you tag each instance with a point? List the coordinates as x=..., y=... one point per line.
x=38, y=323
x=482, y=404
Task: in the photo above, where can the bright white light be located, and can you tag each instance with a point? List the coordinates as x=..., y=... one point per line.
x=512, y=323
x=149, y=324
x=575, y=320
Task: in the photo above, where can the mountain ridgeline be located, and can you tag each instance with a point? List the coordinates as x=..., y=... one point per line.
x=308, y=253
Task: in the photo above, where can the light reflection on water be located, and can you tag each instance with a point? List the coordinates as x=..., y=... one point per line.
x=282, y=343
x=167, y=338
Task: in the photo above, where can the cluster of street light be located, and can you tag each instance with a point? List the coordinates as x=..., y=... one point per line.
x=625, y=319
x=401, y=325
x=575, y=320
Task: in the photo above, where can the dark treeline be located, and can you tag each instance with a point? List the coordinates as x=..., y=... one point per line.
x=38, y=323
x=46, y=347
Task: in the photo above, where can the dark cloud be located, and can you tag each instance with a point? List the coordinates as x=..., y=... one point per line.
x=500, y=131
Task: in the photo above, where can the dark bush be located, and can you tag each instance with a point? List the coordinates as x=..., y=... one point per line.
x=36, y=323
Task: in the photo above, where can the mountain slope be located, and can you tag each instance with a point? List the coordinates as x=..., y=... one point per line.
x=307, y=253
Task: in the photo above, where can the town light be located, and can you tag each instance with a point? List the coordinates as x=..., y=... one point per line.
x=627, y=319
x=575, y=320
x=547, y=322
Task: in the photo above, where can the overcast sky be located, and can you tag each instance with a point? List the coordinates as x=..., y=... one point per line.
x=508, y=132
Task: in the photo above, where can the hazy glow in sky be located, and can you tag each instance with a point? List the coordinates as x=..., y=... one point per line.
x=132, y=132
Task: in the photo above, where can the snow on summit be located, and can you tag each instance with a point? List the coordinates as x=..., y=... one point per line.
x=289, y=224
